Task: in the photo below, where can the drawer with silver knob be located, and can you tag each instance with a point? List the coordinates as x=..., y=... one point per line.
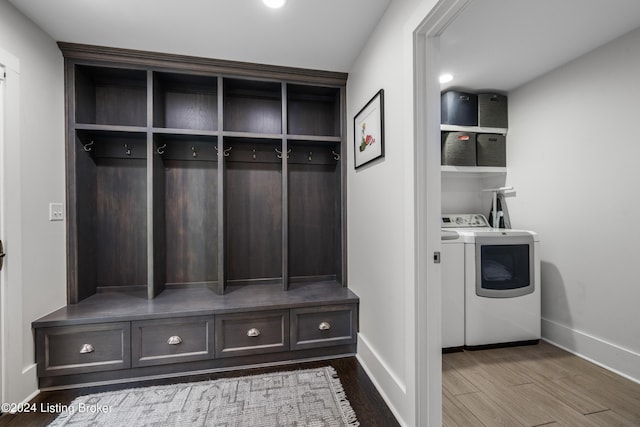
x=241, y=334
x=323, y=326
x=79, y=349
x=164, y=341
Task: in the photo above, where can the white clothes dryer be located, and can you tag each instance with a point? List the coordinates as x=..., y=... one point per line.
x=502, y=281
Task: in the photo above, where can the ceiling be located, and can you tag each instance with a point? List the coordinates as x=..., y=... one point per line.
x=492, y=45
x=317, y=34
x=502, y=44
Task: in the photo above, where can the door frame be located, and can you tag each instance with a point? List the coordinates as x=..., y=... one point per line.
x=2, y=225
x=428, y=195
x=9, y=212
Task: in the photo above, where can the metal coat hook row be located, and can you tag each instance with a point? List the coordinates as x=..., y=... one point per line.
x=225, y=152
x=336, y=156
x=160, y=150
x=280, y=153
x=127, y=149
x=87, y=147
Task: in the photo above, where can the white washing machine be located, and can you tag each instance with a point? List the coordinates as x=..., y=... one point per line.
x=502, y=281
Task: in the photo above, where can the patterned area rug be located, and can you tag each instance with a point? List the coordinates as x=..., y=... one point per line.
x=313, y=397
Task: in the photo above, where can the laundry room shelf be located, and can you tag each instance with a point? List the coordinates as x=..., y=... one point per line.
x=472, y=171
x=477, y=129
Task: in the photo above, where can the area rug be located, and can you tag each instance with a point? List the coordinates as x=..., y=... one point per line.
x=313, y=397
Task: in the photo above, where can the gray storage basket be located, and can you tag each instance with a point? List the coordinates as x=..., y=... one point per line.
x=491, y=150
x=459, y=108
x=458, y=148
x=492, y=110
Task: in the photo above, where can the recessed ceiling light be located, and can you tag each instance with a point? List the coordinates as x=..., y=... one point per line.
x=274, y=4
x=445, y=78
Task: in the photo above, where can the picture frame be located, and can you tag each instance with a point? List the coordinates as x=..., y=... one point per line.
x=368, y=131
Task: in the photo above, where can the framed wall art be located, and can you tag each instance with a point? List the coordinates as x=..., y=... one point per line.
x=368, y=131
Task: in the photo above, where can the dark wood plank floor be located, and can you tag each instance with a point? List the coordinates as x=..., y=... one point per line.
x=365, y=400
x=534, y=386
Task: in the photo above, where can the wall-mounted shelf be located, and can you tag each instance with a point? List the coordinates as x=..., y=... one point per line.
x=472, y=171
x=477, y=129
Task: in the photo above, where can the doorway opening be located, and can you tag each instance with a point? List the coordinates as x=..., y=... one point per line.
x=427, y=209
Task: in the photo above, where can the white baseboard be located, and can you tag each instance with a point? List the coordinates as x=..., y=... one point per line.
x=610, y=356
x=390, y=387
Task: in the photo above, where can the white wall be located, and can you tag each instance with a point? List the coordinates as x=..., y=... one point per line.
x=462, y=192
x=35, y=160
x=380, y=207
x=573, y=156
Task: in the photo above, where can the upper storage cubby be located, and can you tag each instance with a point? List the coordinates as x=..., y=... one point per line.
x=185, y=102
x=313, y=110
x=110, y=96
x=252, y=106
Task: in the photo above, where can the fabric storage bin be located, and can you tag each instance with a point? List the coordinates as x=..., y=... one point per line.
x=459, y=108
x=458, y=148
x=492, y=110
x=491, y=150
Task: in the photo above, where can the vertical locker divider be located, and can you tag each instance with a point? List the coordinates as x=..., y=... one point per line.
x=221, y=192
x=155, y=283
x=285, y=191
x=73, y=279
x=342, y=261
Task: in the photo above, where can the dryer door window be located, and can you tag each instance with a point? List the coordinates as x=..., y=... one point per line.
x=504, y=270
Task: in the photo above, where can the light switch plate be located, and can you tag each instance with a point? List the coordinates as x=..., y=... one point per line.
x=56, y=212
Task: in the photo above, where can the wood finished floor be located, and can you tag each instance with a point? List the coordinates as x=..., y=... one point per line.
x=365, y=400
x=537, y=385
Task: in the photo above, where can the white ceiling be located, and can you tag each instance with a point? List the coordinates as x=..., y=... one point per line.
x=493, y=44
x=318, y=34
x=502, y=44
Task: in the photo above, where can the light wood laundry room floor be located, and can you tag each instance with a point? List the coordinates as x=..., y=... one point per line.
x=535, y=385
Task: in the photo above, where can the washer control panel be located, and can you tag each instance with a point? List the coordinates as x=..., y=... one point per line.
x=463, y=221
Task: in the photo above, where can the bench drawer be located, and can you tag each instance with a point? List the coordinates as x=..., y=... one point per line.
x=64, y=350
x=323, y=326
x=252, y=333
x=164, y=341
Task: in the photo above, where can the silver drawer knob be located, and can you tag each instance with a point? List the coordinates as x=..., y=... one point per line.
x=174, y=340
x=87, y=348
x=253, y=332
x=324, y=326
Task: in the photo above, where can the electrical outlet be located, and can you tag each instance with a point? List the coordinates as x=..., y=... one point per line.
x=56, y=212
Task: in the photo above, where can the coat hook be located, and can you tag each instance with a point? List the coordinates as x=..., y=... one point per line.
x=127, y=149
x=280, y=153
x=160, y=150
x=336, y=156
x=87, y=147
x=194, y=154
x=226, y=152
x=310, y=155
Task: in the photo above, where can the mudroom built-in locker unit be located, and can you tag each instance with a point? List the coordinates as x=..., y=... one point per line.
x=206, y=218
